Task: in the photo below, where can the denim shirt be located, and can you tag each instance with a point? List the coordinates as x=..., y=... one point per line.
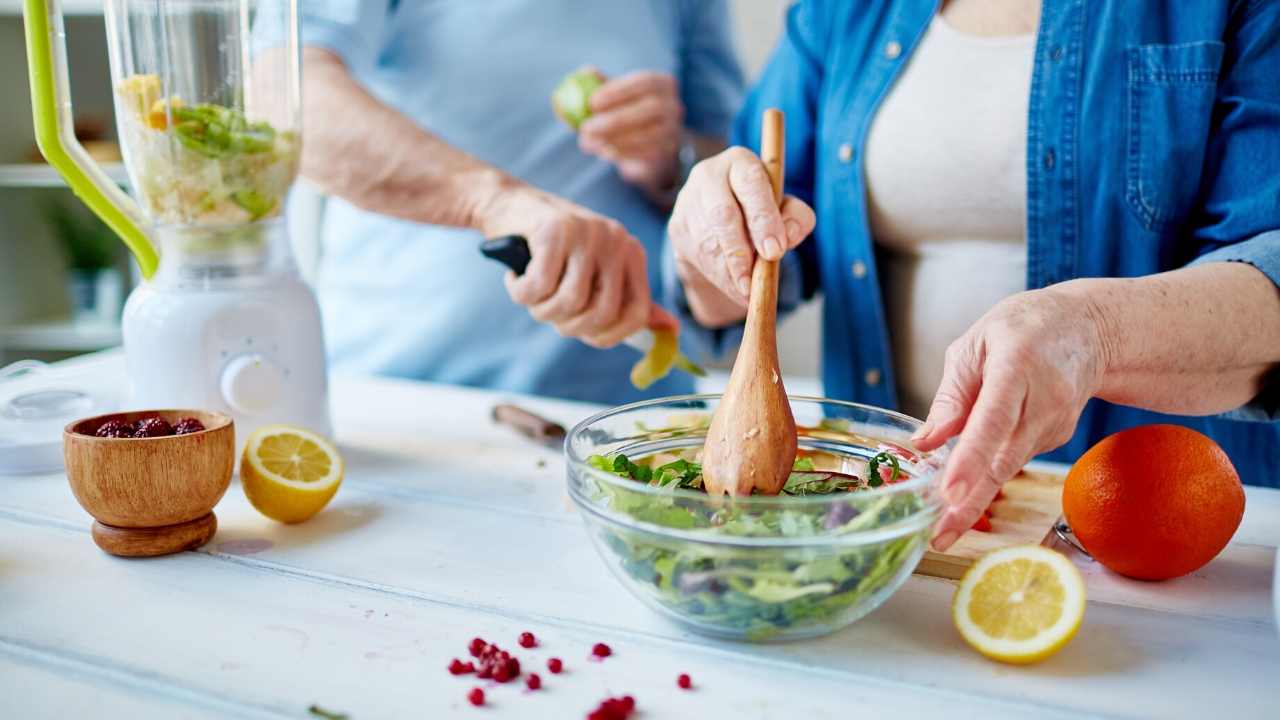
x=1153, y=142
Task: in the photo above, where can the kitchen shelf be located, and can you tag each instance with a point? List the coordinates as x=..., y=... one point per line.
x=39, y=175
x=69, y=7
x=61, y=335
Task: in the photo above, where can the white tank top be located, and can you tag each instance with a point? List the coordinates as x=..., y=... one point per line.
x=947, y=191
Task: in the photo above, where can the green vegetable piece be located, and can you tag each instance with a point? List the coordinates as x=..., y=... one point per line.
x=776, y=592
x=320, y=712
x=572, y=97
x=873, y=469
x=803, y=464
x=253, y=203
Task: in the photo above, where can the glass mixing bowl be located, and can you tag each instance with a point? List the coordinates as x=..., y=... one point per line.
x=760, y=567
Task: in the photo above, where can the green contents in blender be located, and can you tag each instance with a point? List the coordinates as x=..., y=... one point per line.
x=203, y=164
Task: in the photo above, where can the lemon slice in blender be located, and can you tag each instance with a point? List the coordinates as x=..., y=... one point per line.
x=288, y=473
x=1019, y=604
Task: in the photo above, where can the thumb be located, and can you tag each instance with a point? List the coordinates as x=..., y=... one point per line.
x=660, y=319
x=961, y=380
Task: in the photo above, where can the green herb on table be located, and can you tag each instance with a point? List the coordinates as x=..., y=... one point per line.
x=320, y=712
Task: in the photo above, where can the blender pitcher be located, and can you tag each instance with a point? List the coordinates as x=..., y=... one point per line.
x=208, y=112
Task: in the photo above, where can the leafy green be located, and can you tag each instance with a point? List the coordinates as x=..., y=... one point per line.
x=758, y=592
x=216, y=131
x=874, y=478
x=803, y=464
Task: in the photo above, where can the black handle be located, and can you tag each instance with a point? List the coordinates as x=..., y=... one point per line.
x=510, y=250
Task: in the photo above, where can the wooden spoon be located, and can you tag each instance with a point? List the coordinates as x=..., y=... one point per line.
x=751, y=443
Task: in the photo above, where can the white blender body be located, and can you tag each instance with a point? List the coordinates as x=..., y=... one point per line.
x=208, y=111
x=249, y=345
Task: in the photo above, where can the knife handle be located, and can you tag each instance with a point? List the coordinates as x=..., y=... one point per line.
x=510, y=250
x=532, y=426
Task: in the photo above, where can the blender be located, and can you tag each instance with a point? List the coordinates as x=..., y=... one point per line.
x=208, y=104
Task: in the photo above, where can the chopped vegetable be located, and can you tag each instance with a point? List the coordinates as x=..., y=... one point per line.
x=320, y=712
x=754, y=591
x=571, y=99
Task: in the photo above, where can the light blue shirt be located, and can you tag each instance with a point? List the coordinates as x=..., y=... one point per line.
x=419, y=301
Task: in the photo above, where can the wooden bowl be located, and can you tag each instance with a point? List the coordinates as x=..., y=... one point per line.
x=151, y=496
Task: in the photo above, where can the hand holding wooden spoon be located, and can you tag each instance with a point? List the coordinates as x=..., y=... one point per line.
x=751, y=444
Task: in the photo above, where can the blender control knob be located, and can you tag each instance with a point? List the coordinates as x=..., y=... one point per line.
x=251, y=384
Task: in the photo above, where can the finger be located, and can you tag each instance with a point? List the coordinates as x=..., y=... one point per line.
x=750, y=184
x=798, y=219
x=725, y=252
x=964, y=510
x=958, y=390
x=657, y=141
x=573, y=294
x=642, y=113
x=605, y=308
x=627, y=88
x=660, y=319
x=635, y=312
x=968, y=472
x=542, y=276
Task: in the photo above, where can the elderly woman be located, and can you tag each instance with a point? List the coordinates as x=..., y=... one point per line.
x=1035, y=225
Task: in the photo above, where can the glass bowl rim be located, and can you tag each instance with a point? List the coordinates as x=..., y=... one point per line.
x=928, y=511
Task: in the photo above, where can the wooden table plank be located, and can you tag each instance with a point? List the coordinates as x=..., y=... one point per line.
x=195, y=631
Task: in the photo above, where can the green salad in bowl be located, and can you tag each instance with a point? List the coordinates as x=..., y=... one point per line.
x=847, y=529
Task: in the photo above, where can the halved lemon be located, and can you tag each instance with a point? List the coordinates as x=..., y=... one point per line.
x=1019, y=604
x=288, y=473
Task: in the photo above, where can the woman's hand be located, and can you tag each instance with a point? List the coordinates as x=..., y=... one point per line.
x=724, y=216
x=1013, y=386
x=636, y=123
x=587, y=276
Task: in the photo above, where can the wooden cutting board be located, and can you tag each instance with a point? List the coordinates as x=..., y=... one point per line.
x=1031, y=505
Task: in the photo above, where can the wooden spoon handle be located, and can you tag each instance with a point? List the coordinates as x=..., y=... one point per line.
x=763, y=302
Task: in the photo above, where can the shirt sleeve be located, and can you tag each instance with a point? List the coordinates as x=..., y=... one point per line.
x=351, y=29
x=711, y=83
x=1239, y=219
x=790, y=81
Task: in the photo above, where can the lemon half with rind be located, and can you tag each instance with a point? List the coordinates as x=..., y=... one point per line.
x=289, y=473
x=1019, y=604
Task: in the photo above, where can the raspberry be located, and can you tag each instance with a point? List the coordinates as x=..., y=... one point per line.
x=476, y=697
x=527, y=640
x=114, y=429
x=188, y=425
x=555, y=666
x=533, y=682
x=684, y=681
x=152, y=427
x=601, y=650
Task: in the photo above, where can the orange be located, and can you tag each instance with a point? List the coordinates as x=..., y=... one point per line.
x=1154, y=502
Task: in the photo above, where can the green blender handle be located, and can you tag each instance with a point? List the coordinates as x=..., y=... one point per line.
x=56, y=138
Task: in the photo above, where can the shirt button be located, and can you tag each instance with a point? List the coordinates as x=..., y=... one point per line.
x=892, y=49
x=845, y=152
x=1056, y=53
x=859, y=269
x=1049, y=159
x=872, y=376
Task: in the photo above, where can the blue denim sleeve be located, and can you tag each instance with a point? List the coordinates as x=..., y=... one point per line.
x=1263, y=253
x=1239, y=220
x=351, y=29
x=791, y=81
x=711, y=83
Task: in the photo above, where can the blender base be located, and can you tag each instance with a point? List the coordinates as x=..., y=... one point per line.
x=153, y=541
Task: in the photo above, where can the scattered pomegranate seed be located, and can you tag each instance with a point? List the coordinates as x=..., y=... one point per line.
x=476, y=697
x=533, y=682
x=477, y=646
x=601, y=650
x=457, y=667
x=555, y=666
x=527, y=640
x=684, y=681
x=614, y=709
x=502, y=674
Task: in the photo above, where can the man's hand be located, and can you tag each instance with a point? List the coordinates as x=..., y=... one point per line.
x=636, y=123
x=587, y=276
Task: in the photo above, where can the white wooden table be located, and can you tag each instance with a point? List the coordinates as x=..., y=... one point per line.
x=448, y=527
